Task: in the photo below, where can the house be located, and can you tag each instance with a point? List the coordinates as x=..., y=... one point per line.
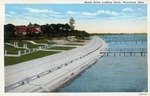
x=24, y=29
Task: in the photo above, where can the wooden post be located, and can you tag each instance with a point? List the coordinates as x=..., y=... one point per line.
x=141, y=54
x=130, y=53
x=5, y=52
x=39, y=47
x=26, y=45
x=119, y=53
x=19, y=53
x=25, y=51
x=114, y=54
x=16, y=44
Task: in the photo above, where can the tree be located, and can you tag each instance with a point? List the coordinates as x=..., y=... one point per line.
x=30, y=24
x=71, y=23
x=48, y=31
x=9, y=32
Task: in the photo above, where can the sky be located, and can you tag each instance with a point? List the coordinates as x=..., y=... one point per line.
x=93, y=18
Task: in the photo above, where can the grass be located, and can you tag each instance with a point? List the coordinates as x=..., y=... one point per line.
x=61, y=48
x=75, y=44
x=27, y=57
x=43, y=41
x=30, y=45
x=11, y=48
x=12, y=52
x=20, y=44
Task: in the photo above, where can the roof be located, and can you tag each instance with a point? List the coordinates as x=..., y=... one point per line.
x=24, y=29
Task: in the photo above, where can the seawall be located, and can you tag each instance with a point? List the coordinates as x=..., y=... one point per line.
x=48, y=73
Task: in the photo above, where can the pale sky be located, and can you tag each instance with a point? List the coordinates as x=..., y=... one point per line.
x=93, y=18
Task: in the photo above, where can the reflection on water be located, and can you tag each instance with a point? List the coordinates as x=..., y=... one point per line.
x=114, y=74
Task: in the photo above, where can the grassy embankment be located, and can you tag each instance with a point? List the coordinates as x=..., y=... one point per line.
x=61, y=48
x=12, y=50
x=75, y=44
x=43, y=42
x=30, y=45
x=27, y=57
x=31, y=56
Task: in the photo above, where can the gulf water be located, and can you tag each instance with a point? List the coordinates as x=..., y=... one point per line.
x=114, y=74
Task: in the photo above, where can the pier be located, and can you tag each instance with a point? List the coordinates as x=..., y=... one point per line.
x=124, y=52
x=125, y=40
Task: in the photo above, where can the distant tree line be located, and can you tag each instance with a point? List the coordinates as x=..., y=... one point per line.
x=48, y=31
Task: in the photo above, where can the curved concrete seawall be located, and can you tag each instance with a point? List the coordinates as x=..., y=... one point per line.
x=48, y=73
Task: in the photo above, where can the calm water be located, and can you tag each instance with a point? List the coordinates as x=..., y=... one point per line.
x=114, y=74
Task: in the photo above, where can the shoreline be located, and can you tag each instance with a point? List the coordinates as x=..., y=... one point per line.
x=74, y=77
x=57, y=78
x=118, y=34
x=79, y=72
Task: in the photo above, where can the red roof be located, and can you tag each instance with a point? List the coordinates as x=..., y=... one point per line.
x=34, y=29
x=20, y=29
x=25, y=29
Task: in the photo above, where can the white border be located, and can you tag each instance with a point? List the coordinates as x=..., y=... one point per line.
x=2, y=22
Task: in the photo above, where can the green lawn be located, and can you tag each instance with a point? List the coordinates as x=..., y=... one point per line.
x=11, y=48
x=61, y=48
x=27, y=57
x=30, y=45
x=75, y=44
x=43, y=41
x=20, y=44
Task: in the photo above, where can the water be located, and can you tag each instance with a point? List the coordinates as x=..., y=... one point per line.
x=114, y=74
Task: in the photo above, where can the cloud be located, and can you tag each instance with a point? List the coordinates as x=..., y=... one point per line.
x=8, y=15
x=54, y=12
x=140, y=9
x=57, y=16
x=31, y=10
x=11, y=12
x=107, y=12
x=72, y=13
x=127, y=10
x=89, y=13
x=28, y=17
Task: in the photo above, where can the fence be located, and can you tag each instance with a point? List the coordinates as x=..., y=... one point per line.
x=23, y=52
